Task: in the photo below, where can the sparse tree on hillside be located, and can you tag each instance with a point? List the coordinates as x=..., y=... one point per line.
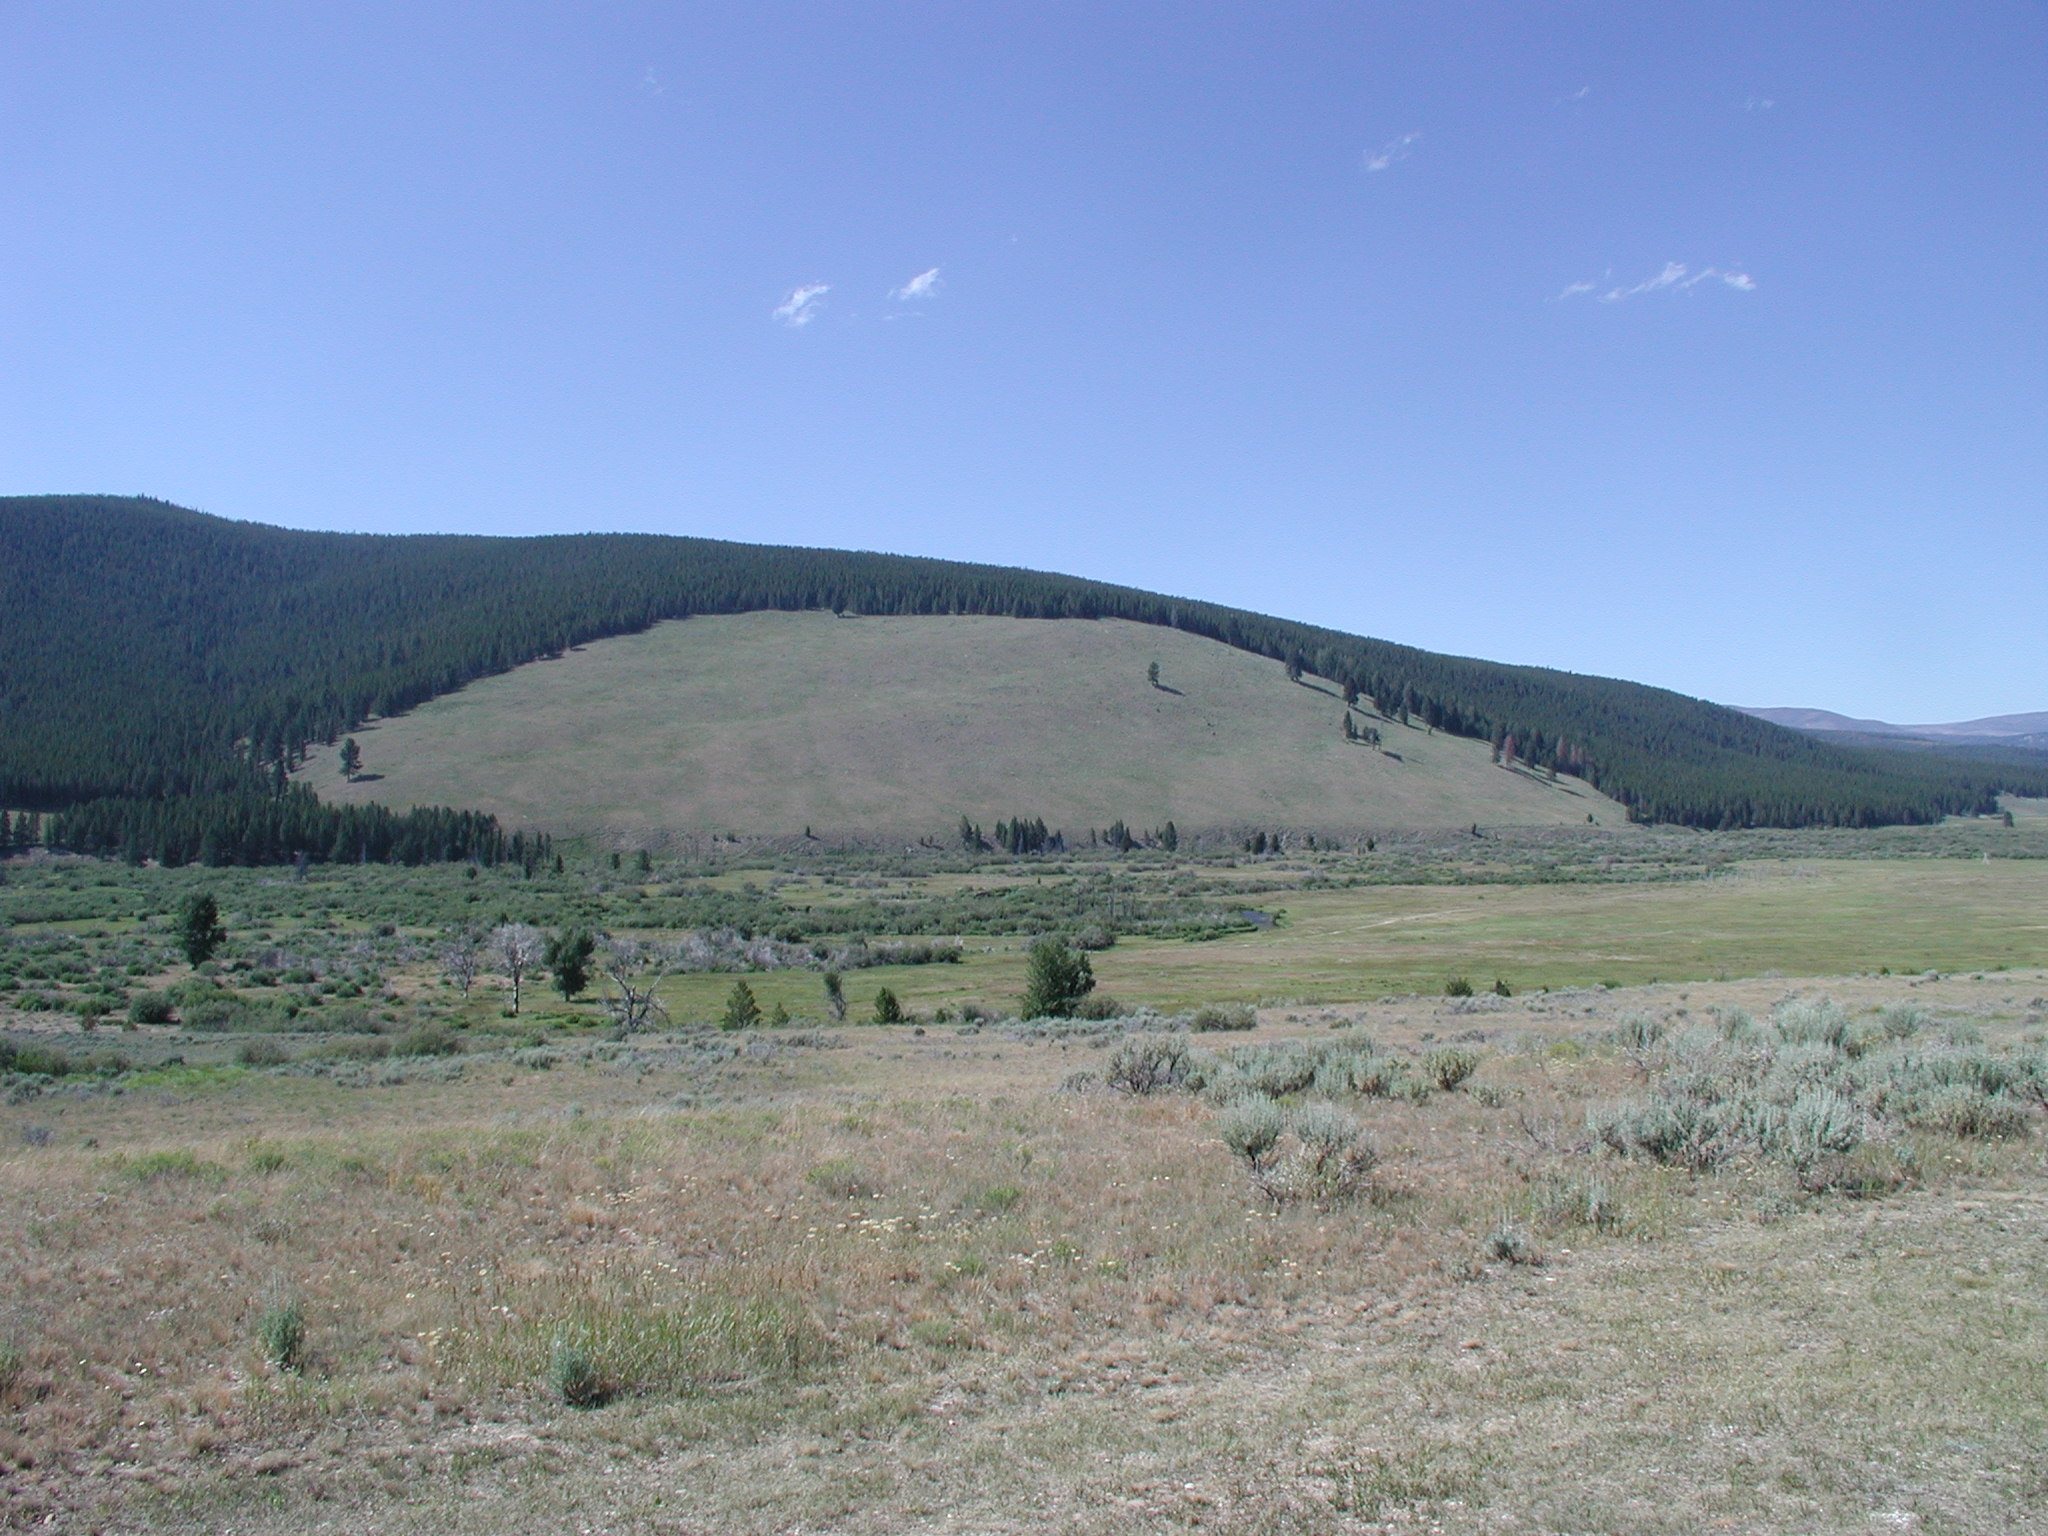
x=518, y=948
x=351, y=759
x=1152, y=674
x=835, y=996
x=887, y=1009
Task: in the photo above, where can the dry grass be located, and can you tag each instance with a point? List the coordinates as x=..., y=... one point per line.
x=910, y=1284
x=909, y=723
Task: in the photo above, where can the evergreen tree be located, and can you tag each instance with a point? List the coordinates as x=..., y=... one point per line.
x=835, y=996
x=887, y=1009
x=200, y=932
x=1056, y=978
x=741, y=1009
x=568, y=958
x=351, y=759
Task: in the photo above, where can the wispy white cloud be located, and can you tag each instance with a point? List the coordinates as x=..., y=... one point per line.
x=651, y=83
x=1579, y=95
x=1392, y=151
x=1758, y=104
x=803, y=305
x=1675, y=276
x=922, y=286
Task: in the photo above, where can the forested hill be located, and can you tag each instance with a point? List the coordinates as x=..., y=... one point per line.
x=151, y=652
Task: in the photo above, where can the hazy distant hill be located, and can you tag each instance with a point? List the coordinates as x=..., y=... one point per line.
x=153, y=654
x=2026, y=731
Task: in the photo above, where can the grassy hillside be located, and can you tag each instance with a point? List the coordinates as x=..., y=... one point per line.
x=152, y=656
x=773, y=722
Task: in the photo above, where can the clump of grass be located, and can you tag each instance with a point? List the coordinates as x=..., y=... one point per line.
x=573, y=1376
x=1579, y=1199
x=177, y=1163
x=427, y=1040
x=1457, y=986
x=1509, y=1241
x=281, y=1332
x=841, y=1178
x=997, y=1198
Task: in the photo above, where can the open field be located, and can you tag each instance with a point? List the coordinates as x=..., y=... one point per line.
x=778, y=722
x=340, y=1249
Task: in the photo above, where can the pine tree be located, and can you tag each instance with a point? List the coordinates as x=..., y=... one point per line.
x=351, y=759
x=200, y=932
x=568, y=957
x=742, y=1011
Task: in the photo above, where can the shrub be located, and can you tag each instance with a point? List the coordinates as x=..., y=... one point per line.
x=1450, y=1065
x=1251, y=1128
x=150, y=1008
x=1099, y=1007
x=1820, y=1121
x=887, y=1009
x=1637, y=1031
x=1958, y=1109
x=1325, y=1132
x=1457, y=986
x=1802, y=1022
x=1277, y=1070
x=1212, y=1017
x=260, y=1052
x=1144, y=1064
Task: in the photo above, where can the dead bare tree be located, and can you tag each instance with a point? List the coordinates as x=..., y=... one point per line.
x=518, y=948
x=635, y=969
x=462, y=958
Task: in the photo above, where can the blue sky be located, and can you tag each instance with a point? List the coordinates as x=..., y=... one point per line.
x=1705, y=346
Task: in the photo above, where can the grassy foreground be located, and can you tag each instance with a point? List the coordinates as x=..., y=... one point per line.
x=884, y=1280
x=339, y=1248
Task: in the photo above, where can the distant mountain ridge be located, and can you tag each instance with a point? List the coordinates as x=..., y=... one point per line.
x=2029, y=730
